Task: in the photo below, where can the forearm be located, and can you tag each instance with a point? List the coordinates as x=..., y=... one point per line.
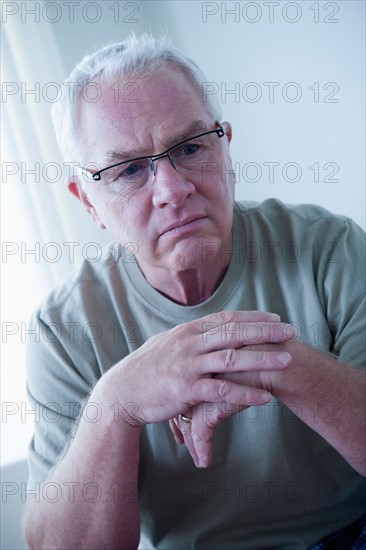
x=326, y=394
x=329, y=397
x=100, y=469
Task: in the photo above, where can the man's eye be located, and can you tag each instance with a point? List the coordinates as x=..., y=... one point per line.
x=130, y=171
x=189, y=149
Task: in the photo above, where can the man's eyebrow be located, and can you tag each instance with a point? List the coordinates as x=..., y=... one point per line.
x=126, y=155
x=195, y=128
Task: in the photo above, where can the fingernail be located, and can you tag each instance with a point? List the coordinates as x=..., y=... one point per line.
x=289, y=330
x=284, y=358
x=275, y=317
x=202, y=463
x=265, y=396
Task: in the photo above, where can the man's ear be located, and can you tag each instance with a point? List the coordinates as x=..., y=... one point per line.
x=228, y=130
x=76, y=189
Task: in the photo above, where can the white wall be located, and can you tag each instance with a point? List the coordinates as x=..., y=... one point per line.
x=13, y=498
x=257, y=44
x=235, y=52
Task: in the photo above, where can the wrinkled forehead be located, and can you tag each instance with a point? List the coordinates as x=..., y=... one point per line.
x=143, y=111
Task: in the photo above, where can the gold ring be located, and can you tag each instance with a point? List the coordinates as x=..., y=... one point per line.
x=185, y=418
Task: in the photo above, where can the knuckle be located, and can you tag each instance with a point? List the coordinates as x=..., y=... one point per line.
x=265, y=331
x=230, y=359
x=262, y=358
x=178, y=332
x=245, y=393
x=200, y=438
x=222, y=388
x=185, y=431
x=179, y=387
x=253, y=332
x=228, y=316
x=197, y=438
x=211, y=422
x=178, y=345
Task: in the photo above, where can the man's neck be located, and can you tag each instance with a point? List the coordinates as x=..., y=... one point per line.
x=191, y=286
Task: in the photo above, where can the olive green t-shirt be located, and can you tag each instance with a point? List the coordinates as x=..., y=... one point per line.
x=273, y=483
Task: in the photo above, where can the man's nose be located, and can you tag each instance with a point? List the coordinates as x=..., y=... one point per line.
x=163, y=156
x=169, y=185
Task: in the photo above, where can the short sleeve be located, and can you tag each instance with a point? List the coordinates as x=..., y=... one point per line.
x=343, y=282
x=56, y=390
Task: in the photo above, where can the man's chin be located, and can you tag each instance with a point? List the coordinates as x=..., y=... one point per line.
x=186, y=254
x=189, y=255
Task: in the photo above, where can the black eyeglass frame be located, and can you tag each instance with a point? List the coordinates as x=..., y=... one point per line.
x=97, y=175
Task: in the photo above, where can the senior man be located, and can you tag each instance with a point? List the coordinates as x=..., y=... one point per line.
x=192, y=338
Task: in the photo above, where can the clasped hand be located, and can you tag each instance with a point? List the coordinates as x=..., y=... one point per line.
x=183, y=370
x=196, y=434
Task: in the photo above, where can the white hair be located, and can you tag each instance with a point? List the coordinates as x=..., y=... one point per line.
x=136, y=56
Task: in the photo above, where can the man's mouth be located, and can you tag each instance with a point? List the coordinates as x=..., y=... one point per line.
x=180, y=226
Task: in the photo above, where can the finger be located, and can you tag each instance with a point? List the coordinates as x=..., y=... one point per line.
x=198, y=440
x=226, y=317
x=241, y=360
x=185, y=428
x=212, y=323
x=216, y=390
x=176, y=431
x=237, y=334
x=201, y=435
x=205, y=418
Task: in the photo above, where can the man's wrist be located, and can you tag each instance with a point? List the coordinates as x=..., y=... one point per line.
x=121, y=414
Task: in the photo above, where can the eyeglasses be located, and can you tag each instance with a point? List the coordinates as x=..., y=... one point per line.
x=186, y=156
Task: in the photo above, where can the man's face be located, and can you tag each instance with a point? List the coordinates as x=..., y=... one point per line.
x=163, y=110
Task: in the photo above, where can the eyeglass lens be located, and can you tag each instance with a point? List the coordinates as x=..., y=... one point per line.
x=187, y=156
